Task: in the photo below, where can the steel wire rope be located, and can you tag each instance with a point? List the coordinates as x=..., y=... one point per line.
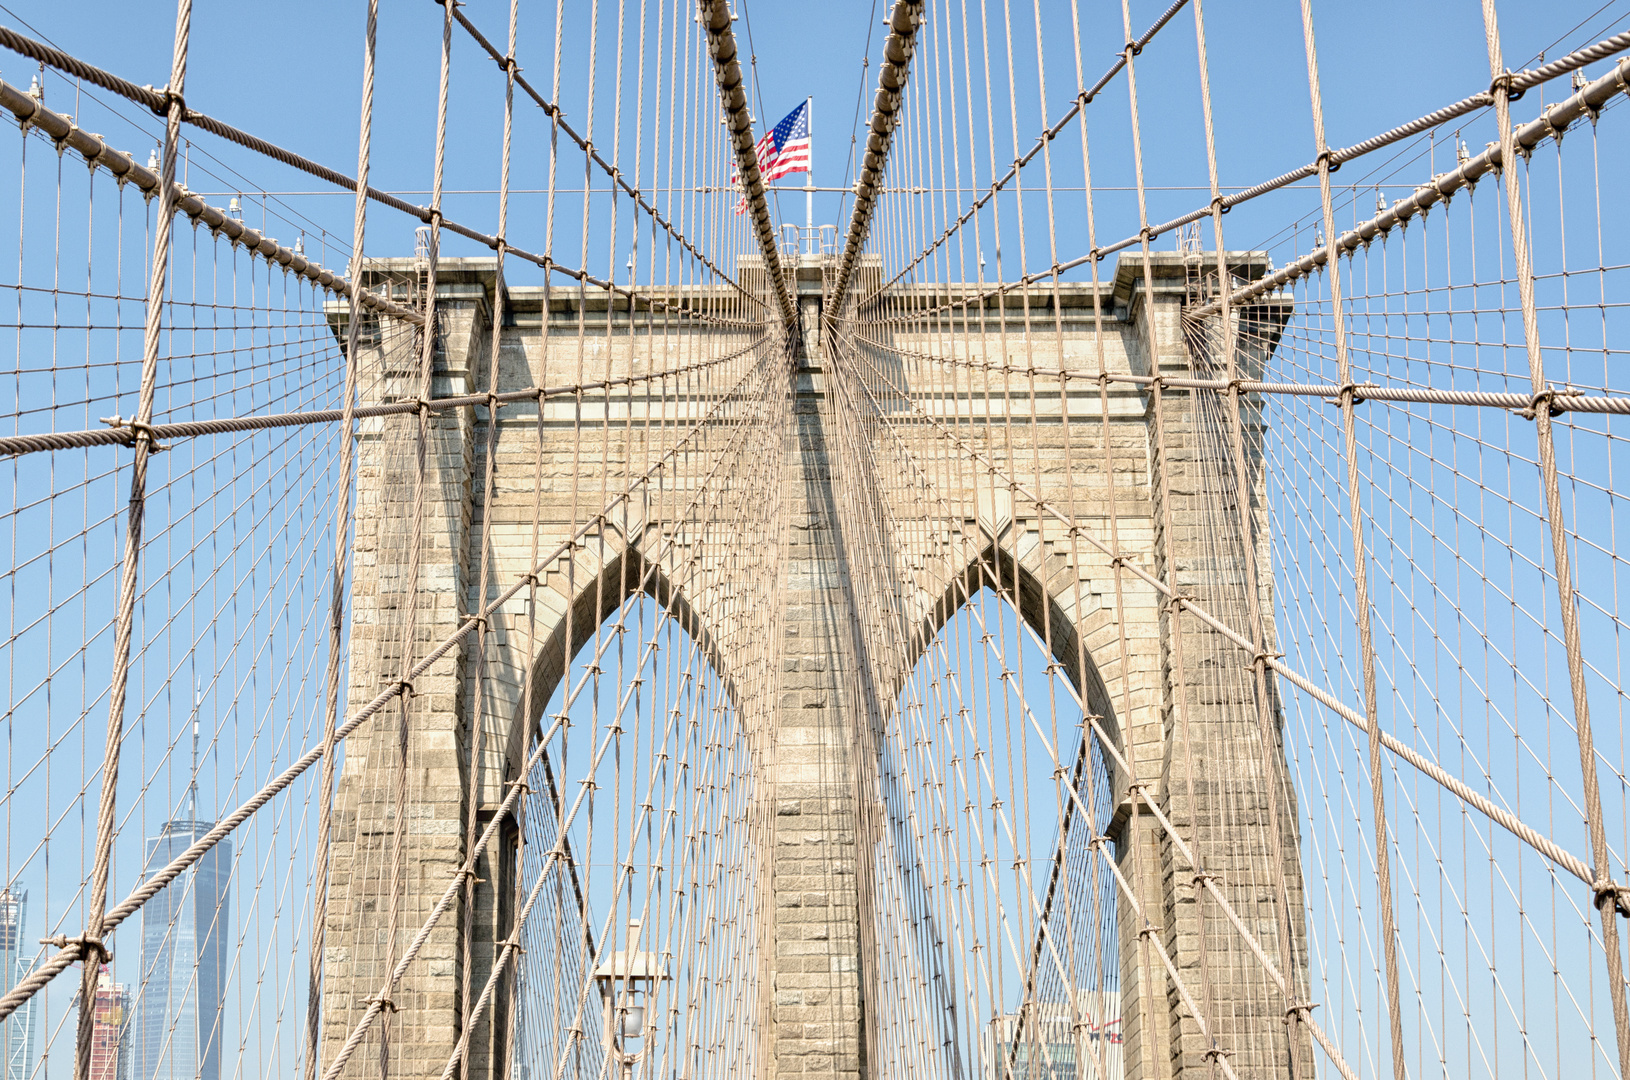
x=71, y=951
x=1170, y=831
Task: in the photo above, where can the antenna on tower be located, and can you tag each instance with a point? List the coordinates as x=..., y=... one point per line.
x=192, y=791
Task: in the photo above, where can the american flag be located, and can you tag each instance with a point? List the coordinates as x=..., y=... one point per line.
x=783, y=150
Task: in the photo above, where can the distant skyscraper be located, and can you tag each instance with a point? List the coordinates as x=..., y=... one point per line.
x=1042, y=1043
x=179, y=1016
x=17, y=1030
x=110, y=1032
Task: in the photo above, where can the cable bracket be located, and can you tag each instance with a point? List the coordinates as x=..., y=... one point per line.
x=139, y=432
x=1300, y=1010
x=1345, y=389
x=87, y=945
x=1505, y=81
x=1549, y=397
x=1610, y=891
x=162, y=97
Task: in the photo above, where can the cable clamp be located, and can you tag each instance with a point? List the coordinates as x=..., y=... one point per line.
x=1234, y=386
x=1505, y=81
x=1350, y=388
x=1132, y=49
x=513, y=943
x=404, y=687
x=161, y=97
x=139, y=432
x=1327, y=158
x=1300, y=1010
x=1220, y=205
x=479, y=619
x=86, y=943
x=1549, y=398
x=1177, y=600
x=1215, y=1053
x=382, y=1001
x=1266, y=657
x=1204, y=875
x=1618, y=77
x=1610, y=891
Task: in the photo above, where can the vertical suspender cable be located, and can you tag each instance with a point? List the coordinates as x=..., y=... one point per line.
x=891, y=81
x=721, y=43
x=92, y=951
x=1296, y=1005
x=1361, y=581
x=1609, y=897
x=342, y=534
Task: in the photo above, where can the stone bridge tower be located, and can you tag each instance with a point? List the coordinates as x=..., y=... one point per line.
x=814, y=1017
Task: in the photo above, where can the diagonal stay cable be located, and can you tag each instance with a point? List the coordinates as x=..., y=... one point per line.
x=1520, y=81
x=71, y=951
x=1081, y=101
x=721, y=45
x=379, y=1002
x=556, y=113
x=156, y=100
x=122, y=433
x=64, y=132
x=1505, y=819
x=1555, y=121
x=891, y=81
x=1550, y=124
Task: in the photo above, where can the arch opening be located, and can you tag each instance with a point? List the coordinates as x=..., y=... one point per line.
x=635, y=877
x=994, y=790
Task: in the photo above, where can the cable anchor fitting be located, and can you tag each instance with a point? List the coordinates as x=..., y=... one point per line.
x=159, y=99
x=139, y=432
x=1353, y=389
x=1300, y=1010
x=1549, y=397
x=86, y=944
x=1610, y=891
x=1505, y=81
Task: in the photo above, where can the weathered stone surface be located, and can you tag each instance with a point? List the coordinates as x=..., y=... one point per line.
x=1169, y=691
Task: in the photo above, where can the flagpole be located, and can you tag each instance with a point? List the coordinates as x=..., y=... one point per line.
x=809, y=177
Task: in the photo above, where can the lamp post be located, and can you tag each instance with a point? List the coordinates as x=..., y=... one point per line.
x=627, y=981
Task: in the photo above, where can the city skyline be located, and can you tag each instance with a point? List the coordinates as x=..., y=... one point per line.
x=17, y=1036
